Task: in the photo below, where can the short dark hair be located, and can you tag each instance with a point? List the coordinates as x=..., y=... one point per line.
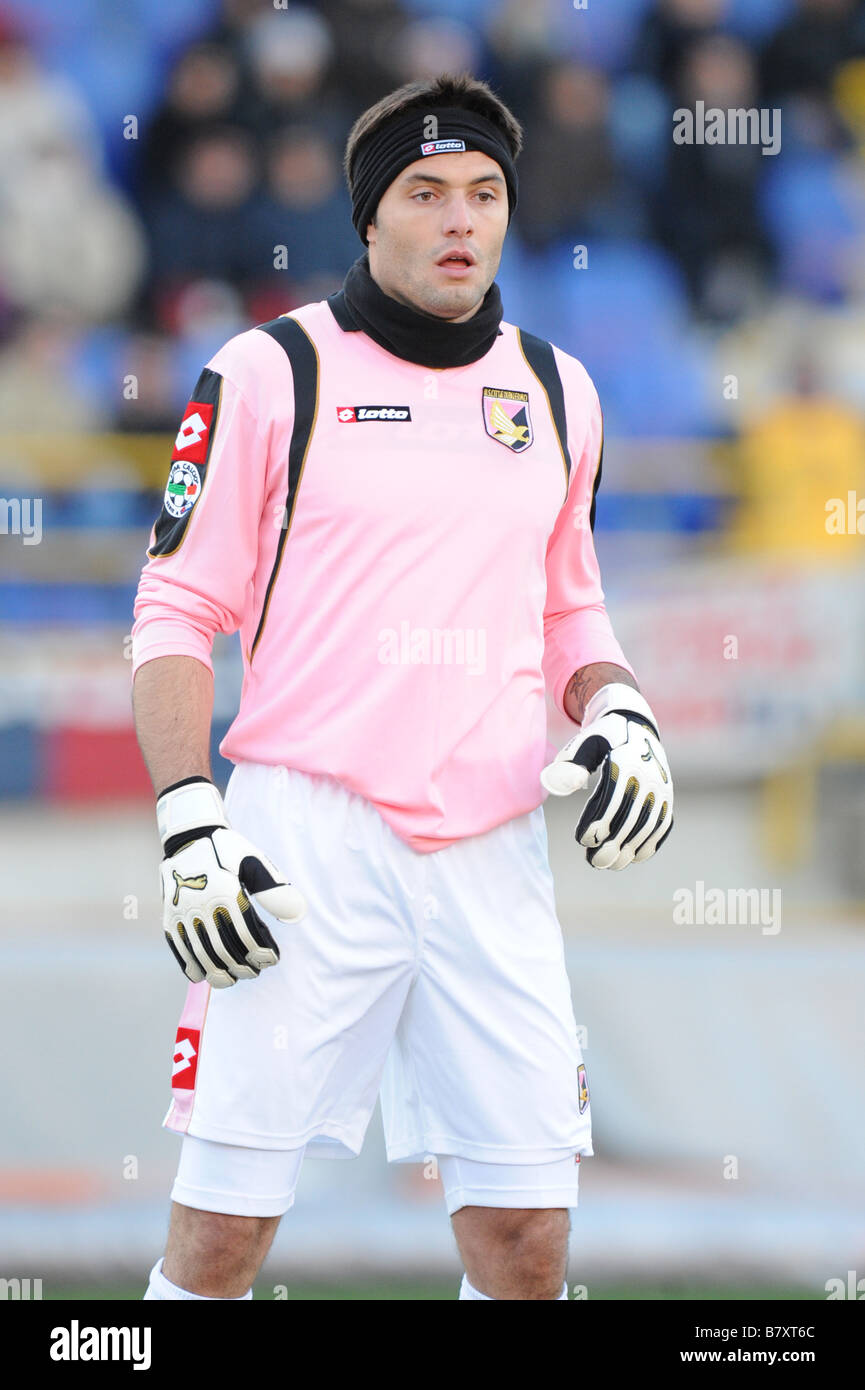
x=447, y=89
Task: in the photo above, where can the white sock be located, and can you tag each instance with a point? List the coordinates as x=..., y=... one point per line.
x=468, y=1290
x=162, y=1289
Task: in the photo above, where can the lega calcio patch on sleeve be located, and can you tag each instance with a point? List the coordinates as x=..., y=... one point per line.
x=189, y=460
x=184, y=487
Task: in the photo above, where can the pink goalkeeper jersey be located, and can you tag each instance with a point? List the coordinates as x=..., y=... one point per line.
x=406, y=553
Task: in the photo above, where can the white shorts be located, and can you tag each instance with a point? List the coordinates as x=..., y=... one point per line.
x=261, y=1182
x=438, y=979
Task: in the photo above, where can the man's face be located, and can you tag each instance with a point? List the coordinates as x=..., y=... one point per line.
x=441, y=206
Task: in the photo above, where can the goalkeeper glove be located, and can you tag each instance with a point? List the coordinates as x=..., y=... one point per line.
x=630, y=812
x=207, y=875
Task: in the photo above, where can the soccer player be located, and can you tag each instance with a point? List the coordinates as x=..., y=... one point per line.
x=390, y=494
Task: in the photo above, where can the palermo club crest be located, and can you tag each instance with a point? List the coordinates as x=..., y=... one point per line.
x=507, y=418
x=584, y=1087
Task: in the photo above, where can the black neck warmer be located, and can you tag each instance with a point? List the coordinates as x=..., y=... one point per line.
x=407, y=333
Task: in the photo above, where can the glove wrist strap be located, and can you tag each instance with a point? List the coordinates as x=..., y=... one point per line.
x=622, y=698
x=188, y=807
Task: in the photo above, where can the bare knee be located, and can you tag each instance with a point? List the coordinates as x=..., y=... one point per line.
x=512, y=1253
x=214, y=1253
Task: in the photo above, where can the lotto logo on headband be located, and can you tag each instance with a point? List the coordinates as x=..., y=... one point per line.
x=442, y=146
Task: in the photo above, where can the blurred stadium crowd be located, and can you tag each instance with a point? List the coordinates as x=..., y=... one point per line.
x=153, y=158
x=171, y=174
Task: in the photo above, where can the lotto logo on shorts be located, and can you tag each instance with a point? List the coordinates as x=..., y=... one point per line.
x=185, y=1059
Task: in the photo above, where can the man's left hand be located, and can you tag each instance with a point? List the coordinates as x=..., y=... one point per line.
x=630, y=812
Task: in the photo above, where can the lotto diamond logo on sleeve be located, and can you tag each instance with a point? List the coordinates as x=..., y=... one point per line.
x=187, y=472
x=191, y=442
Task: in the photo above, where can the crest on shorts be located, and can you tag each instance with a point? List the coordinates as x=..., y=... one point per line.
x=584, y=1087
x=507, y=418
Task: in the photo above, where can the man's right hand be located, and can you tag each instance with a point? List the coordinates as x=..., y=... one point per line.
x=208, y=875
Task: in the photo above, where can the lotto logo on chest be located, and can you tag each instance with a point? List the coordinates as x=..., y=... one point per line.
x=360, y=414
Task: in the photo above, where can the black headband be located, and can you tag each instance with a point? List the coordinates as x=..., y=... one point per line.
x=405, y=138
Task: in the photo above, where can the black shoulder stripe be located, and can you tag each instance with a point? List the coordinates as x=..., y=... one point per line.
x=597, y=482
x=539, y=355
x=300, y=351
x=189, y=462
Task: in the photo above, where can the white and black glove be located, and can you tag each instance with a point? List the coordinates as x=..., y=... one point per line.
x=207, y=875
x=630, y=812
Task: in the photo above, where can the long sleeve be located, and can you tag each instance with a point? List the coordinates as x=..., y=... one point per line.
x=577, y=628
x=204, y=546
